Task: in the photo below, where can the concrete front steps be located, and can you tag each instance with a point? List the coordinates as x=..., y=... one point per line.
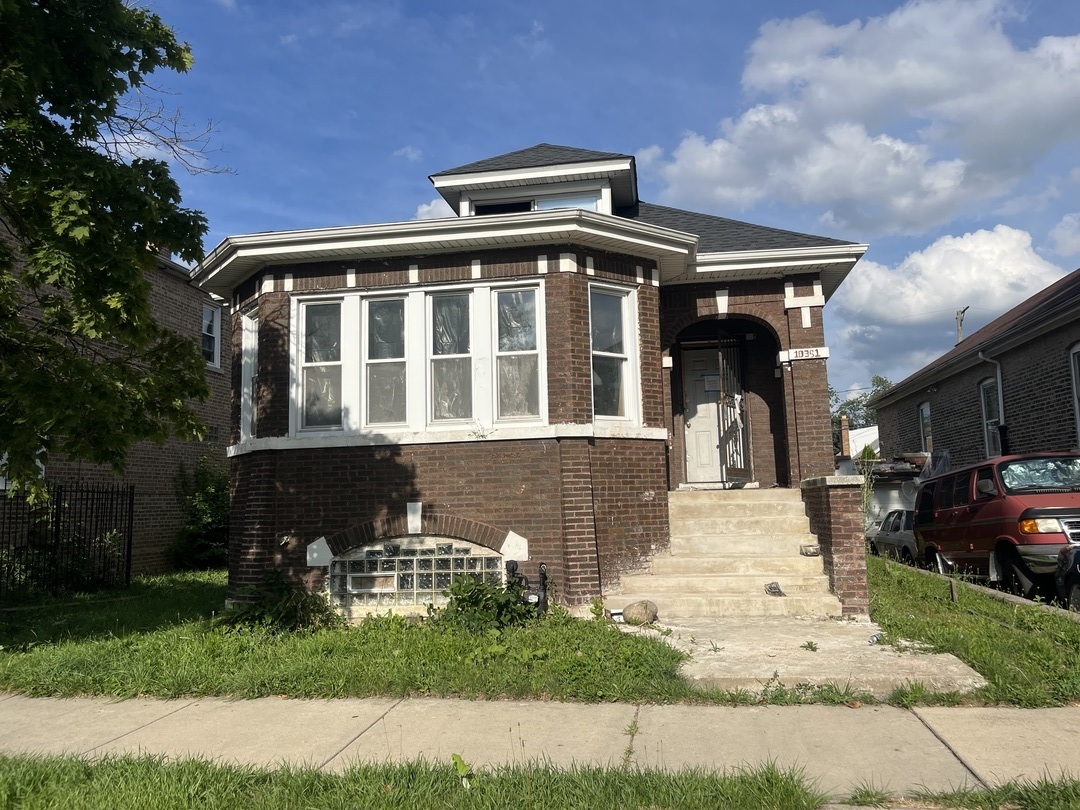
x=726, y=545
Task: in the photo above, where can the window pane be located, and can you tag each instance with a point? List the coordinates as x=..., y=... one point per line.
x=322, y=333
x=322, y=396
x=386, y=392
x=607, y=332
x=451, y=389
x=608, y=386
x=450, y=324
x=386, y=329
x=517, y=321
x=586, y=201
x=519, y=386
x=208, y=320
x=208, y=348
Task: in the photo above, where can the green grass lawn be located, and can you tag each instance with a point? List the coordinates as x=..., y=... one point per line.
x=1030, y=656
x=149, y=783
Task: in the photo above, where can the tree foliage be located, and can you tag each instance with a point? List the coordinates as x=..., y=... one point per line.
x=854, y=408
x=86, y=203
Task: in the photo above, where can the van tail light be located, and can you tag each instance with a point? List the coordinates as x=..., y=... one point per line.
x=1040, y=526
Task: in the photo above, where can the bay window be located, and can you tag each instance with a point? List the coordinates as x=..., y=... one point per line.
x=517, y=355
x=611, y=367
x=320, y=365
x=385, y=380
x=451, y=357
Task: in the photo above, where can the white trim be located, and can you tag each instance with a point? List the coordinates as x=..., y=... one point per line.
x=522, y=176
x=656, y=277
x=267, y=284
x=590, y=270
x=384, y=438
x=792, y=301
x=414, y=274
x=567, y=263
x=249, y=369
x=542, y=264
x=215, y=333
x=630, y=355
x=413, y=516
x=350, y=277
x=287, y=285
x=477, y=269
x=984, y=384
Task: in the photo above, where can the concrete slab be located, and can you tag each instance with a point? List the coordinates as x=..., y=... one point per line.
x=746, y=653
x=263, y=732
x=842, y=748
x=75, y=725
x=1003, y=744
x=495, y=733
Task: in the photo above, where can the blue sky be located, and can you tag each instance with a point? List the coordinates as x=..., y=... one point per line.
x=945, y=133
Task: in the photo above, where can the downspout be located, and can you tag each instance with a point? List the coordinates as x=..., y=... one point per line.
x=1001, y=398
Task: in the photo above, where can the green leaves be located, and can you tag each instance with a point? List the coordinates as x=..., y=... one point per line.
x=84, y=367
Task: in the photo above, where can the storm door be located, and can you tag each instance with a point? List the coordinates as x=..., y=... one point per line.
x=714, y=415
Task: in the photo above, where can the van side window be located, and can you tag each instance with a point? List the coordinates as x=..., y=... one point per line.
x=985, y=474
x=926, y=502
x=962, y=493
x=945, y=492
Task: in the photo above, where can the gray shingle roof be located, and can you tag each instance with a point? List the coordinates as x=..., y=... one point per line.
x=722, y=235
x=543, y=154
x=1025, y=315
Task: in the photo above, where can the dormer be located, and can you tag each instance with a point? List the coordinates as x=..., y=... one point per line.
x=541, y=178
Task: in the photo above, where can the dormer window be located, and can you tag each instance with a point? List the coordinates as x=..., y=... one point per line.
x=516, y=207
x=587, y=197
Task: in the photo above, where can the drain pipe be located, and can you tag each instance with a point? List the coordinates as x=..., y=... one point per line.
x=1001, y=402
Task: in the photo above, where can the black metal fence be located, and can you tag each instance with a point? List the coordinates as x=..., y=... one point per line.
x=77, y=540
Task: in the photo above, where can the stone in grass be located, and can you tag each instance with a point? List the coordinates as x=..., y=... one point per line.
x=643, y=612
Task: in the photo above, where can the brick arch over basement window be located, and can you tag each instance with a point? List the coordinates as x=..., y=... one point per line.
x=431, y=523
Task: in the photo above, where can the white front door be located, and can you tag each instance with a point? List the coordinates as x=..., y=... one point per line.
x=714, y=417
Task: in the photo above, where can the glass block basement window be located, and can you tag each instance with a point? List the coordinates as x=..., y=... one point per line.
x=408, y=571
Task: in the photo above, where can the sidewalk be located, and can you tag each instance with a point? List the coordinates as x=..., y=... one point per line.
x=843, y=748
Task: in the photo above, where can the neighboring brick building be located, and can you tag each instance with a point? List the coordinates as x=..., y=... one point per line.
x=1012, y=386
x=526, y=380
x=153, y=468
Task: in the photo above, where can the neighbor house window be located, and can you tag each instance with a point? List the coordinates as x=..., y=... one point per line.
x=211, y=335
x=445, y=359
x=991, y=414
x=320, y=365
x=612, y=375
x=925, y=432
x=1074, y=362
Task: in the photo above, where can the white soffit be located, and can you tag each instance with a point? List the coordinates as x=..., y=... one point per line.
x=238, y=257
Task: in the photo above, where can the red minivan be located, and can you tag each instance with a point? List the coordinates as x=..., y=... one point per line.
x=1005, y=518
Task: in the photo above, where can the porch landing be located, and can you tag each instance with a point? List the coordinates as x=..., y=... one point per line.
x=726, y=547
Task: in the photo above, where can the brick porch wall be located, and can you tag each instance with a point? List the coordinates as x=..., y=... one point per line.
x=834, y=506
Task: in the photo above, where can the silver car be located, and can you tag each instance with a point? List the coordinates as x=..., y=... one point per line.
x=895, y=537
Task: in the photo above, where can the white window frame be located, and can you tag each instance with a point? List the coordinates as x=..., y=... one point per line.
x=540, y=352
x=1074, y=365
x=632, y=379
x=991, y=437
x=249, y=372
x=923, y=422
x=418, y=355
x=215, y=323
x=566, y=191
x=367, y=361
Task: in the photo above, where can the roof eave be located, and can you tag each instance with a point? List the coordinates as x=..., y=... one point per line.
x=236, y=258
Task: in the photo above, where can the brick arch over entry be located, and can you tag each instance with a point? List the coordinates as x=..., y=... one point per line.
x=674, y=327
x=431, y=523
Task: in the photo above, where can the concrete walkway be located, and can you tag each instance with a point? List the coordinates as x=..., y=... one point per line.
x=843, y=748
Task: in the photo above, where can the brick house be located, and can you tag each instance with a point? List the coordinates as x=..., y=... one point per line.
x=527, y=379
x=1012, y=386
x=153, y=469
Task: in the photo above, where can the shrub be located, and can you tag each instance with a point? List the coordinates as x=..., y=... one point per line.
x=203, y=540
x=477, y=606
x=282, y=608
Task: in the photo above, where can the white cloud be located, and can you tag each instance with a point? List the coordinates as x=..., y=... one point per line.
x=436, y=209
x=893, y=320
x=229, y=5
x=534, y=43
x=289, y=39
x=410, y=153
x=890, y=125
x=1066, y=235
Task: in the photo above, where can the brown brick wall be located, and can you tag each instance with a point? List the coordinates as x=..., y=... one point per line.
x=835, y=512
x=1039, y=406
x=153, y=469
x=584, y=505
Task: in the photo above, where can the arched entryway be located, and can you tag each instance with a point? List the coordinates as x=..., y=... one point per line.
x=728, y=417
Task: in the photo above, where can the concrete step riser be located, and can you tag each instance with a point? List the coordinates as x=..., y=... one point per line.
x=730, y=585
x=705, y=606
x=736, y=495
x=761, y=565
x=742, y=525
x=709, y=511
x=742, y=544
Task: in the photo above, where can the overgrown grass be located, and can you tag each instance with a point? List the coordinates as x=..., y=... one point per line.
x=1044, y=794
x=1029, y=656
x=150, y=783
